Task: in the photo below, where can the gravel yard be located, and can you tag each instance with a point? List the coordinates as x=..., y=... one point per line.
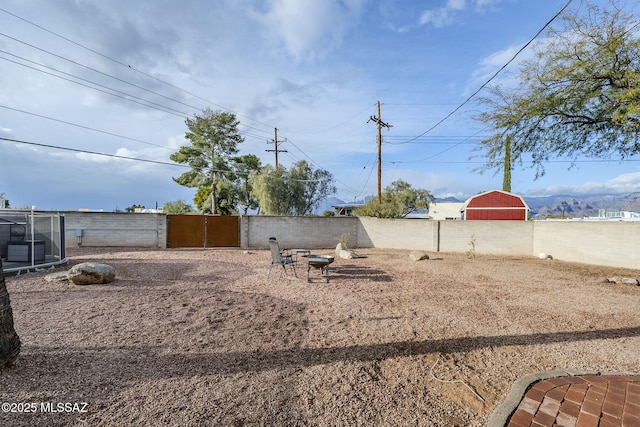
x=198, y=337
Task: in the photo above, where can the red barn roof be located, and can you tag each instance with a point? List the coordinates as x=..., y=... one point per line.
x=495, y=205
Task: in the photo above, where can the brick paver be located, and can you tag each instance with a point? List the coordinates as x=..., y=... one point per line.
x=580, y=401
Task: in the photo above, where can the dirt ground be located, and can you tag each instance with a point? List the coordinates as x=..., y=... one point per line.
x=204, y=337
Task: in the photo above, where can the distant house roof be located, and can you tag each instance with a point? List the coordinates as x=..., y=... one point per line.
x=346, y=209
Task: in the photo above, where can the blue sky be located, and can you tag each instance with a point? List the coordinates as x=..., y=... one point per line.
x=313, y=69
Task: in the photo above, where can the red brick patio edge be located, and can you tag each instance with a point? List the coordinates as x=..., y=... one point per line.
x=501, y=414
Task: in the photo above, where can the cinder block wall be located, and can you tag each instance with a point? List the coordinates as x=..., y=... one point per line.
x=297, y=232
x=415, y=234
x=614, y=244
x=591, y=242
x=487, y=237
x=116, y=229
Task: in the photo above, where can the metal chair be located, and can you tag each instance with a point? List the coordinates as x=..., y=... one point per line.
x=281, y=257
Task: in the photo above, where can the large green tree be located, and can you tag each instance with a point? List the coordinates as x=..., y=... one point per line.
x=214, y=138
x=269, y=186
x=244, y=166
x=397, y=201
x=309, y=186
x=9, y=340
x=580, y=96
x=291, y=192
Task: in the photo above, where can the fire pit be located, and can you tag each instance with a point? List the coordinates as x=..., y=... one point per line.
x=319, y=262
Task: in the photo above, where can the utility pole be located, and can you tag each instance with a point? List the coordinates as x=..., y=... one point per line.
x=275, y=142
x=381, y=124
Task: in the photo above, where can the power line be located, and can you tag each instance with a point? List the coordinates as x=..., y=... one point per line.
x=469, y=162
x=485, y=84
x=441, y=152
x=318, y=165
x=128, y=66
x=127, y=97
x=88, y=68
x=92, y=152
x=84, y=127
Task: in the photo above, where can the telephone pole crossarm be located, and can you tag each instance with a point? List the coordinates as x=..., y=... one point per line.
x=275, y=141
x=381, y=124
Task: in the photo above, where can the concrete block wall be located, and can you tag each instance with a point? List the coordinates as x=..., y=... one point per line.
x=490, y=237
x=116, y=229
x=297, y=232
x=607, y=243
x=615, y=244
x=415, y=234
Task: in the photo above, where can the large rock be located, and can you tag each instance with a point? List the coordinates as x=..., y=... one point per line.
x=89, y=273
x=60, y=276
x=624, y=280
x=418, y=256
x=343, y=252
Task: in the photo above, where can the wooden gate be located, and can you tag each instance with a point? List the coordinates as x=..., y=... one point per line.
x=202, y=231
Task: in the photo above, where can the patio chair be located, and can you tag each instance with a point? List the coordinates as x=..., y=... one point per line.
x=281, y=257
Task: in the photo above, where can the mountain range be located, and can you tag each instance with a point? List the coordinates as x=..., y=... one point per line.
x=579, y=206
x=572, y=206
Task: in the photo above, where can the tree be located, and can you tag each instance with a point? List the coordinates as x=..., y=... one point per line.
x=178, y=207
x=9, y=340
x=133, y=208
x=580, y=96
x=270, y=188
x=214, y=138
x=308, y=186
x=293, y=192
x=398, y=200
x=498, y=153
x=244, y=166
x=225, y=194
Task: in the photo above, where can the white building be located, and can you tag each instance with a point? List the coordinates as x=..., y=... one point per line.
x=614, y=215
x=445, y=210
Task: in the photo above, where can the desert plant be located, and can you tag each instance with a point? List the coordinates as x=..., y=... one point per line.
x=471, y=252
x=344, y=239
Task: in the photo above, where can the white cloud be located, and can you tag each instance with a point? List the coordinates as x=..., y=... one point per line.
x=446, y=15
x=482, y=5
x=624, y=183
x=492, y=63
x=309, y=30
x=442, y=16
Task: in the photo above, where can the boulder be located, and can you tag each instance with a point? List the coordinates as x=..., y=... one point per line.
x=58, y=277
x=418, y=256
x=624, y=280
x=89, y=273
x=344, y=253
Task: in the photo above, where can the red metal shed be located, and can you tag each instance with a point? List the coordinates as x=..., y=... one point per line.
x=495, y=205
